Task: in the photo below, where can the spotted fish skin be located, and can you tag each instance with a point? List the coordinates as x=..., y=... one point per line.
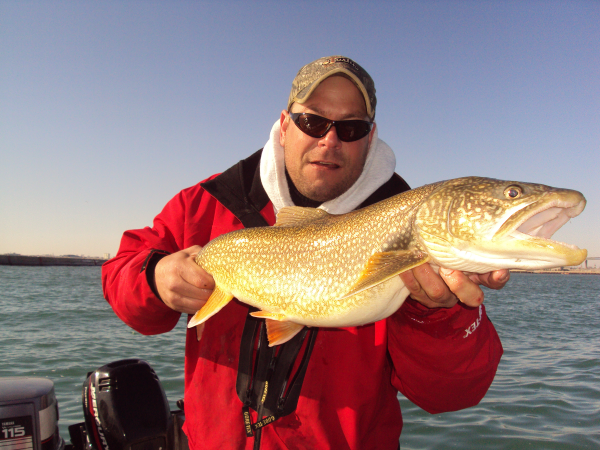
x=317, y=269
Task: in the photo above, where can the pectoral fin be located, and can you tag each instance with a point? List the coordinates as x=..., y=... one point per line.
x=279, y=330
x=385, y=265
x=217, y=300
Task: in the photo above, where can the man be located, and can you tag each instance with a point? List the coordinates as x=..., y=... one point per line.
x=326, y=388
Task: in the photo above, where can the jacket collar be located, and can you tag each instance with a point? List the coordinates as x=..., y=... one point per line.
x=241, y=191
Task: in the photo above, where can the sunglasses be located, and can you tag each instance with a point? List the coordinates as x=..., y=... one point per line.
x=317, y=126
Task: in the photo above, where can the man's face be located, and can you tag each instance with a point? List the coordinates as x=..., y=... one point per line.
x=324, y=168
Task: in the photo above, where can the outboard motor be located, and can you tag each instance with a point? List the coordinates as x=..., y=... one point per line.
x=29, y=414
x=125, y=408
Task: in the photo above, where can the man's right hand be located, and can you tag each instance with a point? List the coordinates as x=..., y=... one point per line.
x=181, y=283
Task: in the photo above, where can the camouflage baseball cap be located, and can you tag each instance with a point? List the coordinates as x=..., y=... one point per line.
x=312, y=74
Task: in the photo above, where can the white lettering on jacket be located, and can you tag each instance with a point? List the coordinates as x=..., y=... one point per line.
x=474, y=325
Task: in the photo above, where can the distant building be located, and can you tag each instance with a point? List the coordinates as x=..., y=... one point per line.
x=106, y=256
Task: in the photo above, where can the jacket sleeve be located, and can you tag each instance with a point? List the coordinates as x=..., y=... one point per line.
x=443, y=359
x=124, y=277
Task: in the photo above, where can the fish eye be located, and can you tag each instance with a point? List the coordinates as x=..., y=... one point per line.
x=513, y=192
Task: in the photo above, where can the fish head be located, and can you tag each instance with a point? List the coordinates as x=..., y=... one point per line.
x=479, y=224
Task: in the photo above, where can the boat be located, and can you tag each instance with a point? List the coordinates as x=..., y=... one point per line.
x=124, y=408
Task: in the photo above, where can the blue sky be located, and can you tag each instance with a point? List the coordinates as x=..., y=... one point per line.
x=108, y=109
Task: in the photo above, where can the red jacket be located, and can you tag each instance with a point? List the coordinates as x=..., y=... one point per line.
x=441, y=359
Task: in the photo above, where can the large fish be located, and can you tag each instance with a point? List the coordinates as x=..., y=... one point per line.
x=317, y=269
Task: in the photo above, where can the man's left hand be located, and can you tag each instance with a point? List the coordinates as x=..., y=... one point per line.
x=447, y=288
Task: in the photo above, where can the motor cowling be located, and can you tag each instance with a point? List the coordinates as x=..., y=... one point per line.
x=125, y=407
x=29, y=414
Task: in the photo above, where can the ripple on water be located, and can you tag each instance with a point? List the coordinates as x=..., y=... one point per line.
x=546, y=394
x=54, y=323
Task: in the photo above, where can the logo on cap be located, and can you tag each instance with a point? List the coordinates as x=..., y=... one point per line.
x=340, y=59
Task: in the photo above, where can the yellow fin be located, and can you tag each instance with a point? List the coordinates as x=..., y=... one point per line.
x=290, y=216
x=217, y=300
x=268, y=315
x=279, y=332
x=385, y=265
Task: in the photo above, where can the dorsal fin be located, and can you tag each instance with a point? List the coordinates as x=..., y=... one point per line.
x=290, y=216
x=383, y=266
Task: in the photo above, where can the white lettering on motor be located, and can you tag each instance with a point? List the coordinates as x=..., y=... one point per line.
x=97, y=418
x=13, y=431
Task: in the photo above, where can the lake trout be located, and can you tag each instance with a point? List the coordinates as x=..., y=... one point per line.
x=322, y=270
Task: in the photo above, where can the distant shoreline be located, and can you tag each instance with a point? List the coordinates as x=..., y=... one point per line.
x=560, y=271
x=25, y=260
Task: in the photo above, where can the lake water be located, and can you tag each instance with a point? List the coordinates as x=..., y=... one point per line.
x=55, y=323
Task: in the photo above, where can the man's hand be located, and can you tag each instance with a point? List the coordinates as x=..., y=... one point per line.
x=181, y=283
x=450, y=286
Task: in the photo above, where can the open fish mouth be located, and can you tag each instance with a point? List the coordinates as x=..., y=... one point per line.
x=522, y=240
x=540, y=220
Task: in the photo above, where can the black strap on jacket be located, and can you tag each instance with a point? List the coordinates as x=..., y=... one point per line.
x=269, y=379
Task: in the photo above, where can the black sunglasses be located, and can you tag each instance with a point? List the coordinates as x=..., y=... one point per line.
x=317, y=126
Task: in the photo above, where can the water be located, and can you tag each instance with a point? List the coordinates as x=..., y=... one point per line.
x=55, y=323
x=546, y=394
